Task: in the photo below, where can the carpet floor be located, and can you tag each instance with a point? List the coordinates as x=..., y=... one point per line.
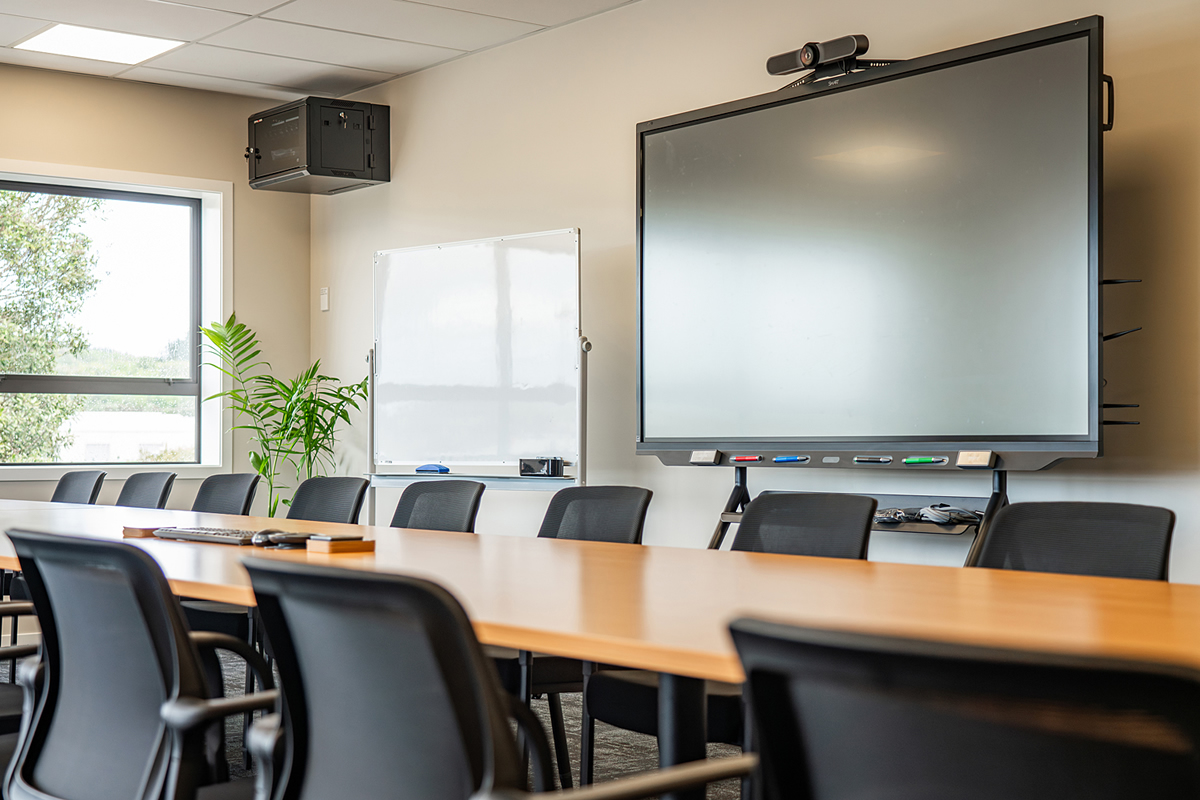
x=618, y=752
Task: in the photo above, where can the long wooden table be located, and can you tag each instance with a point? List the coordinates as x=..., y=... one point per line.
x=667, y=609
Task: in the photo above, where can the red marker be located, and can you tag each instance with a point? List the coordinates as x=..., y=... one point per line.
x=746, y=458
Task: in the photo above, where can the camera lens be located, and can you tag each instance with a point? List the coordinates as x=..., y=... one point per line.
x=808, y=55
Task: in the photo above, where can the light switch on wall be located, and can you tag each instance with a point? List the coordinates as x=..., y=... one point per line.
x=324, y=298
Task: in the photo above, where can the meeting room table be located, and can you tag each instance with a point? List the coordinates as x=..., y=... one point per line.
x=667, y=609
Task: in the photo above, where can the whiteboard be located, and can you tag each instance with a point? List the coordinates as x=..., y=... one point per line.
x=477, y=351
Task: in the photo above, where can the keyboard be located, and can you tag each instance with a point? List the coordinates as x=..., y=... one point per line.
x=215, y=535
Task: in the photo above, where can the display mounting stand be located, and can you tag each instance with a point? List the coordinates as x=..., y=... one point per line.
x=739, y=498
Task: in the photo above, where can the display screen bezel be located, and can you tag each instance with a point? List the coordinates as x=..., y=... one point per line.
x=1023, y=451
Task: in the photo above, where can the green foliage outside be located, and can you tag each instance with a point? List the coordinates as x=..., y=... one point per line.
x=290, y=422
x=45, y=276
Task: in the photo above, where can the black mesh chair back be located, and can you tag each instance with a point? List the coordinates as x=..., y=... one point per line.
x=386, y=690
x=114, y=648
x=853, y=715
x=79, y=487
x=226, y=494
x=146, y=490
x=439, y=505
x=1114, y=540
x=328, y=500
x=807, y=524
x=597, y=514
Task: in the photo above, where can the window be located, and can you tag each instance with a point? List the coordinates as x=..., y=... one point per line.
x=100, y=302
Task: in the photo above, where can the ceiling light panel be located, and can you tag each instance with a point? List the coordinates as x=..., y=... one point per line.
x=82, y=66
x=97, y=45
x=14, y=29
x=410, y=22
x=164, y=20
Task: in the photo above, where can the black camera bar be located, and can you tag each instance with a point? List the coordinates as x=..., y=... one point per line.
x=825, y=59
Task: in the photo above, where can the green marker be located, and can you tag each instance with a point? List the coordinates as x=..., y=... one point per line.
x=925, y=460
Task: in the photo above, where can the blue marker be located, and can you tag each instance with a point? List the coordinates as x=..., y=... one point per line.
x=790, y=459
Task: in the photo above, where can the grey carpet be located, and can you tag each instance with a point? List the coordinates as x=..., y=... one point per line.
x=618, y=752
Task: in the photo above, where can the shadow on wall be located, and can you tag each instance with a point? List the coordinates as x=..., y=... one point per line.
x=1152, y=212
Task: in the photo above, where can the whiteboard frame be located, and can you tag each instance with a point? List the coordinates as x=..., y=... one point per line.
x=579, y=461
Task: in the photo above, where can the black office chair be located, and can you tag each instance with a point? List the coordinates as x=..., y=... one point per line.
x=417, y=710
x=117, y=663
x=328, y=500
x=12, y=699
x=146, y=490
x=1114, y=540
x=790, y=523
x=82, y=487
x=592, y=513
x=854, y=715
x=227, y=494
x=439, y=505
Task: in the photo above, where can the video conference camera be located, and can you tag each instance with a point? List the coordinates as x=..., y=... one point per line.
x=815, y=54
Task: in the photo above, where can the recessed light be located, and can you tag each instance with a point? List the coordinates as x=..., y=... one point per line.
x=120, y=48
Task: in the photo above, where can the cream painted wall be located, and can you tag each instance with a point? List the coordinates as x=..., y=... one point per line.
x=539, y=134
x=77, y=120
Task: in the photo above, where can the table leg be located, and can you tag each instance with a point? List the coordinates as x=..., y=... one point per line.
x=682, y=721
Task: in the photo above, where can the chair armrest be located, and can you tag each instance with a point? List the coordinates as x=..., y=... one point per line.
x=264, y=740
x=185, y=713
x=647, y=784
x=210, y=640
x=16, y=608
x=18, y=651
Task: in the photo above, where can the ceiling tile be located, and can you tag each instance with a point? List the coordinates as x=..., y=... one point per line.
x=14, y=29
x=411, y=22
x=539, y=12
x=130, y=16
x=29, y=58
x=331, y=47
x=236, y=6
x=169, y=78
x=309, y=76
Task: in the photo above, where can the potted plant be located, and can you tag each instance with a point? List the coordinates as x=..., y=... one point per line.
x=291, y=422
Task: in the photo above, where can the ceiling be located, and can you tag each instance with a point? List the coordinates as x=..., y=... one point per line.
x=284, y=50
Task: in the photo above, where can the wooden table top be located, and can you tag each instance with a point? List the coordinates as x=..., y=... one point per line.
x=667, y=609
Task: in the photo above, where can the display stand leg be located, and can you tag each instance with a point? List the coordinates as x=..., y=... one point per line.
x=997, y=501
x=739, y=498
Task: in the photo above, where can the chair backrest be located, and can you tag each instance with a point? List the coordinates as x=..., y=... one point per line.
x=1114, y=540
x=439, y=505
x=386, y=690
x=226, y=494
x=79, y=487
x=807, y=524
x=146, y=490
x=854, y=715
x=328, y=500
x=597, y=514
x=114, y=647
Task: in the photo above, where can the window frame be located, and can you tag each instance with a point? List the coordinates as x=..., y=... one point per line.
x=212, y=297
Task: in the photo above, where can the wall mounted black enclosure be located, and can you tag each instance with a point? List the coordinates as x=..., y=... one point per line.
x=319, y=146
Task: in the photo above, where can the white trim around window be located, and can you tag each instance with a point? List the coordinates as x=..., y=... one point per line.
x=216, y=266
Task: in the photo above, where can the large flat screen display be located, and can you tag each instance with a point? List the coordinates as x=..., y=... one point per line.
x=900, y=258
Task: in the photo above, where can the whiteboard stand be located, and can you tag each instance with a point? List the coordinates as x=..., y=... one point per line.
x=478, y=361
x=507, y=483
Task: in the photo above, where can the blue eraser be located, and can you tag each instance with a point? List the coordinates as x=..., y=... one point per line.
x=439, y=468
